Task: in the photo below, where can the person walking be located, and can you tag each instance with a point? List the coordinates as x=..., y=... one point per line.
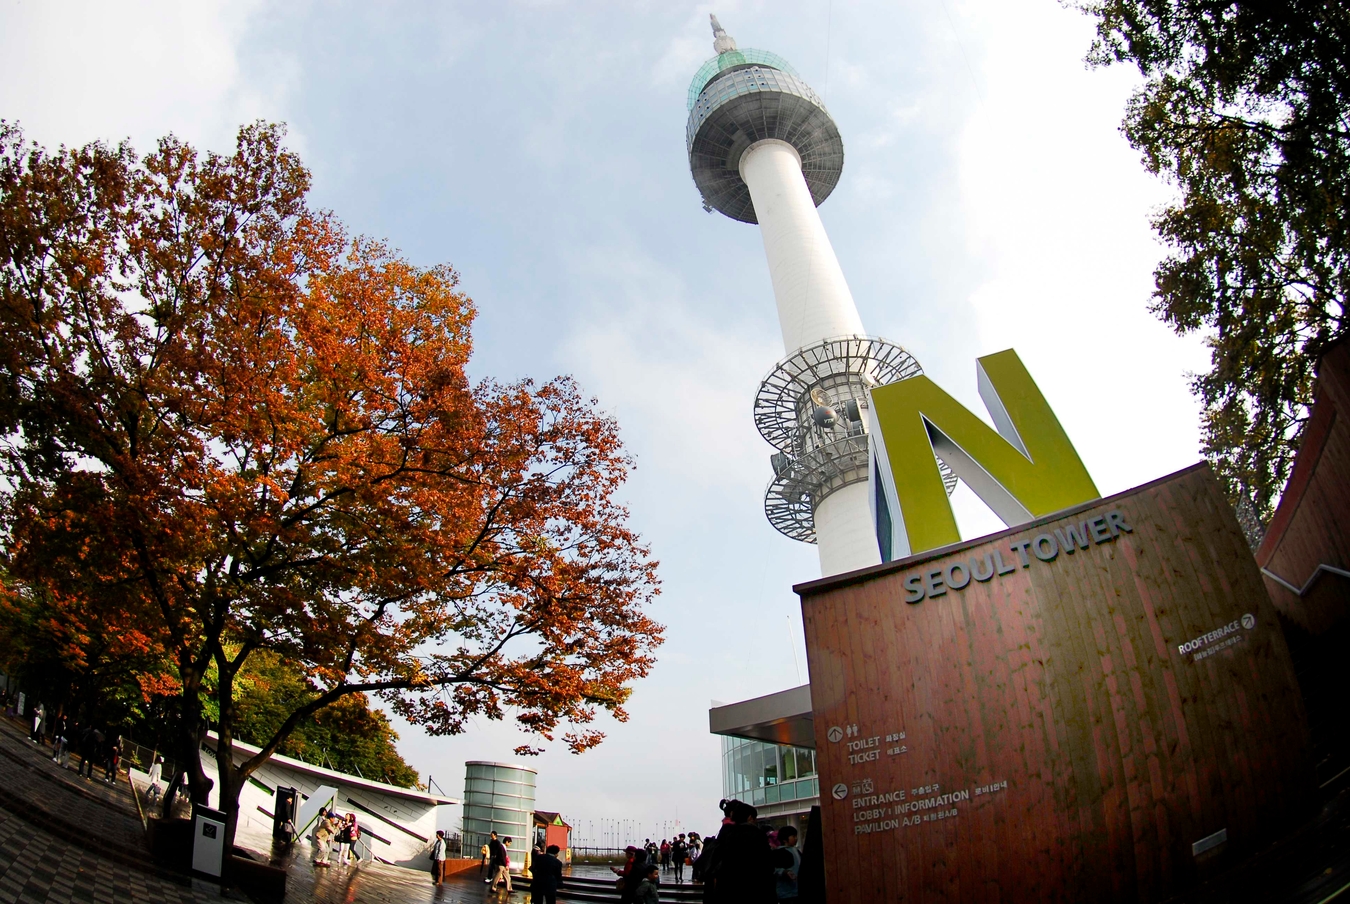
x=504, y=870
x=39, y=723
x=112, y=753
x=482, y=863
x=546, y=876
x=438, y=857
x=156, y=773
x=647, y=890
x=678, y=852
x=496, y=853
x=787, y=864
x=91, y=739
x=323, y=837
x=59, y=744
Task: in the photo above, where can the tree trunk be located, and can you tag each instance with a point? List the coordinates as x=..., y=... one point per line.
x=231, y=783
x=192, y=731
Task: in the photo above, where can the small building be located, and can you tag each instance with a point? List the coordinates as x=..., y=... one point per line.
x=549, y=829
x=499, y=797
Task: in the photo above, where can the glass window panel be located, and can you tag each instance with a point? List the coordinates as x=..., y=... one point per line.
x=771, y=794
x=738, y=772
x=806, y=765
x=789, y=763
x=758, y=797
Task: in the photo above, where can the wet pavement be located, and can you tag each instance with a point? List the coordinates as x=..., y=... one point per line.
x=69, y=840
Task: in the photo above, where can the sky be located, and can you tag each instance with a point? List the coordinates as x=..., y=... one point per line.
x=988, y=201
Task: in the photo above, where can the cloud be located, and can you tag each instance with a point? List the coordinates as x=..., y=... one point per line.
x=73, y=72
x=1058, y=204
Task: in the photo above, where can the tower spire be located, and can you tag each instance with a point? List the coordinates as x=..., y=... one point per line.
x=722, y=42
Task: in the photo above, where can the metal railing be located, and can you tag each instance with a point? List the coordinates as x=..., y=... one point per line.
x=143, y=757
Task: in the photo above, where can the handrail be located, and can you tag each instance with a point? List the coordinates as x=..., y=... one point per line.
x=1312, y=579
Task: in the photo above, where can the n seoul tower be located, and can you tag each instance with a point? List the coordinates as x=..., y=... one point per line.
x=763, y=149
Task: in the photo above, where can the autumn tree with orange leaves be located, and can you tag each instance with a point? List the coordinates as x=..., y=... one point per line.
x=245, y=430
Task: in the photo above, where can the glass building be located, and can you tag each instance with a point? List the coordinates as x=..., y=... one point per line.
x=778, y=779
x=498, y=797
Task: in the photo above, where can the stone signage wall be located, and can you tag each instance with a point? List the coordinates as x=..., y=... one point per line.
x=1096, y=706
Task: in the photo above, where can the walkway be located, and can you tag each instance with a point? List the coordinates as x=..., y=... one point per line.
x=68, y=840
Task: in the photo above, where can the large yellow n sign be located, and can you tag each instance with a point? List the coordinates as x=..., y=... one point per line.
x=1028, y=468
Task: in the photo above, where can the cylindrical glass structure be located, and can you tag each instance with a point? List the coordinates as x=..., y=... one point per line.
x=498, y=797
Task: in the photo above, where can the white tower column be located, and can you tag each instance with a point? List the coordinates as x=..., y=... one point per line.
x=846, y=536
x=814, y=302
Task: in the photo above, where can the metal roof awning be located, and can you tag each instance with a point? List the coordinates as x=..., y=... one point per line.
x=781, y=718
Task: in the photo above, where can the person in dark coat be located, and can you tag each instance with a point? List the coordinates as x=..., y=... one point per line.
x=742, y=872
x=496, y=859
x=546, y=874
x=630, y=874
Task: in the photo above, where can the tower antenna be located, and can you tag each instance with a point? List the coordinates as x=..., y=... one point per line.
x=722, y=42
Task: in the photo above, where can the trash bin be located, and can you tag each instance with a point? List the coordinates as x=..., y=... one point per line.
x=208, y=841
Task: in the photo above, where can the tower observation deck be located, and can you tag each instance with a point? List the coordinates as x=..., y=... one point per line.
x=763, y=149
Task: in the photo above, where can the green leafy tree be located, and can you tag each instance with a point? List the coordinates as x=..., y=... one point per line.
x=347, y=735
x=1246, y=110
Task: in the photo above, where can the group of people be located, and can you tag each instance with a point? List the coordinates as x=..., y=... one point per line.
x=640, y=877
x=747, y=862
x=744, y=863
x=332, y=828
x=66, y=736
x=674, y=854
x=496, y=854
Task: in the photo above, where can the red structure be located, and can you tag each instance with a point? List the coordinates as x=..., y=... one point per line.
x=1305, y=561
x=549, y=828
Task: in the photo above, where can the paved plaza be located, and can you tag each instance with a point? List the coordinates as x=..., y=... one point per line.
x=69, y=840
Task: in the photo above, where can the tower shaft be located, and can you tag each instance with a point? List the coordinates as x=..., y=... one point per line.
x=814, y=301
x=763, y=149
x=814, y=304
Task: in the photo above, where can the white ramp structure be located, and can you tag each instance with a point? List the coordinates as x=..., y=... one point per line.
x=763, y=149
x=398, y=825
x=323, y=798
